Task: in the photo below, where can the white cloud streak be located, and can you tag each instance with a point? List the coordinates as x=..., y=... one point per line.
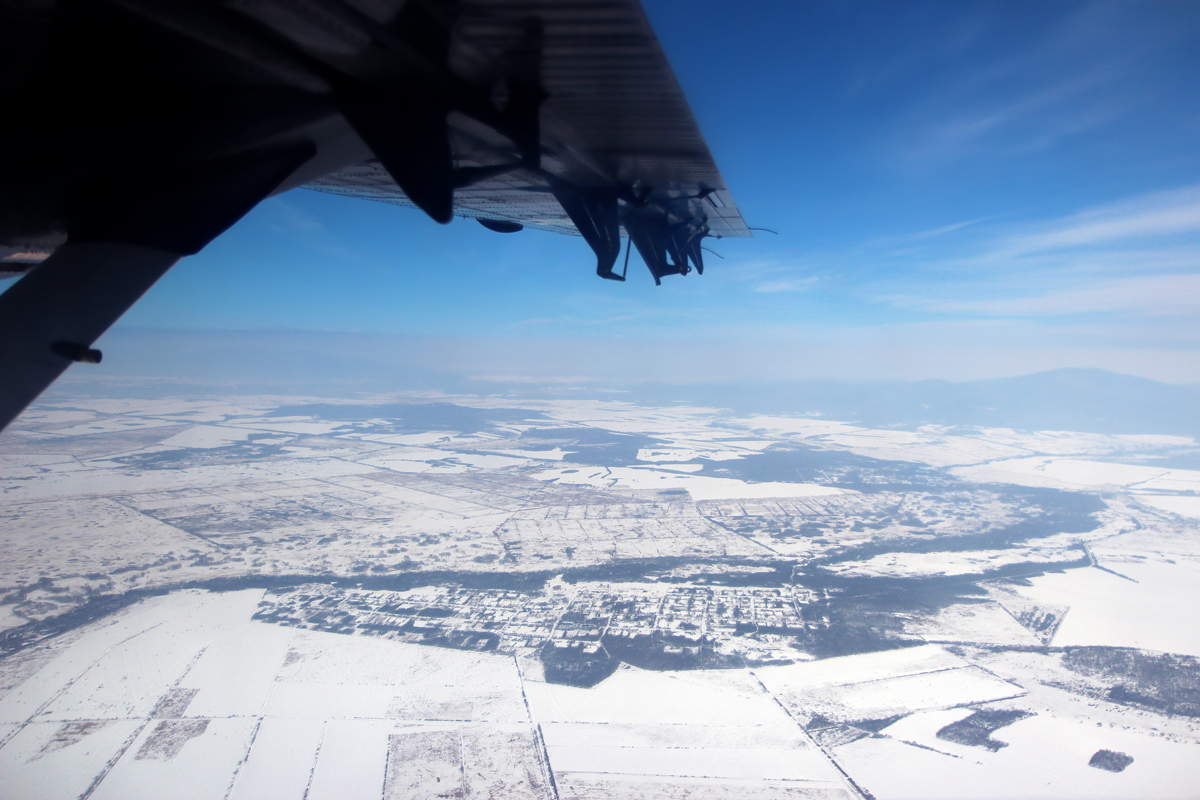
x=1139, y=256
x=787, y=285
x=1155, y=215
x=942, y=231
x=1154, y=295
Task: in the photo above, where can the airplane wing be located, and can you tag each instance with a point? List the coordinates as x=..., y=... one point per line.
x=147, y=128
x=613, y=115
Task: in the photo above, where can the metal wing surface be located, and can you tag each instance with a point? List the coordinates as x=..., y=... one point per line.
x=613, y=110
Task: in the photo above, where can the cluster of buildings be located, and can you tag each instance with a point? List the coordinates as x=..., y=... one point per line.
x=565, y=615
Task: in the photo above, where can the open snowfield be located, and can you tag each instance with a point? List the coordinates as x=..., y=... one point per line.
x=941, y=447
x=143, y=649
x=638, y=727
x=698, y=486
x=588, y=786
x=1072, y=473
x=691, y=539
x=889, y=697
x=883, y=684
x=859, y=669
x=53, y=760
x=638, y=696
x=210, y=436
x=184, y=695
x=280, y=763
x=352, y=761
x=1183, y=505
x=985, y=623
x=1046, y=757
x=97, y=482
x=180, y=759
x=912, y=565
x=1154, y=603
x=329, y=675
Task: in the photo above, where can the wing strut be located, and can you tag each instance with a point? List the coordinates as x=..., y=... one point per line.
x=123, y=237
x=50, y=318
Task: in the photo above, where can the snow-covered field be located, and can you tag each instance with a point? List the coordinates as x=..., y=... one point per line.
x=699, y=487
x=746, y=541
x=185, y=696
x=883, y=685
x=1152, y=604
x=1074, y=473
x=1183, y=505
x=971, y=562
x=1046, y=757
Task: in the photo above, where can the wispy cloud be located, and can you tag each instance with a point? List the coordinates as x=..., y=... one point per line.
x=571, y=380
x=1032, y=122
x=1154, y=215
x=1154, y=295
x=1072, y=78
x=787, y=285
x=945, y=229
x=1138, y=256
x=287, y=217
x=535, y=321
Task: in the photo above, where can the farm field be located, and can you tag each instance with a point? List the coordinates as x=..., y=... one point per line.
x=483, y=597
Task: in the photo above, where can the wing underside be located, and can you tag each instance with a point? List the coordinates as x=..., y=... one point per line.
x=613, y=113
x=147, y=128
x=521, y=198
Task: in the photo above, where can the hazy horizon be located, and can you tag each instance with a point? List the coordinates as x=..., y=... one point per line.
x=199, y=353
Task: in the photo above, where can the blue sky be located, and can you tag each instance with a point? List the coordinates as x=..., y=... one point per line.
x=961, y=190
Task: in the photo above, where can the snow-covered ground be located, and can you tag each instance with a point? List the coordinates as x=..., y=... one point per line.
x=883, y=685
x=1152, y=604
x=1046, y=757
x=1074, y=473
x=698, y=486
x=184, y=694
